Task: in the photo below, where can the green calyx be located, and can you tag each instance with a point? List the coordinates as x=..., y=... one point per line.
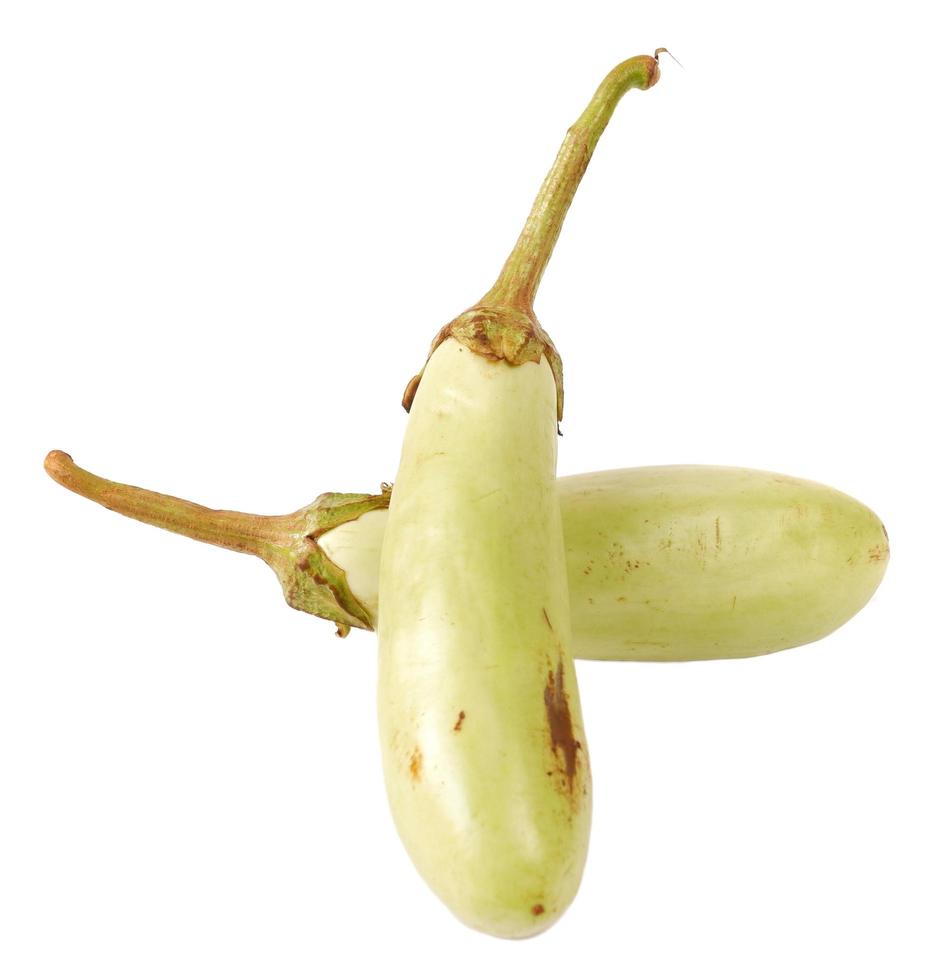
x=502, y=326
x=288, y=543
x=312, y=582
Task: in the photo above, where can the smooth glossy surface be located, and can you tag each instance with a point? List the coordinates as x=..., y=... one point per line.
x=484, y=754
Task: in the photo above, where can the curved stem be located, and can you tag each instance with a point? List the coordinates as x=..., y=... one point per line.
x=247, y=533
x=311, y=581
x=517, y=284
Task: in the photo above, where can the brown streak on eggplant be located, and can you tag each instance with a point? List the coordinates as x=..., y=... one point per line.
x=559, y=722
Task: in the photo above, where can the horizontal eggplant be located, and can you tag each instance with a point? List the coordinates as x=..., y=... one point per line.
x=663, y=562
x=690, y=562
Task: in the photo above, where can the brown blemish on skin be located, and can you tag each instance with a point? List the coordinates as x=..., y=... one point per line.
x=560, y=723
x=718, y=534
x=734, y=600
x=460, y=722
x=547, y=620
x=537, y=909
x=877, y=553
x=415, y=764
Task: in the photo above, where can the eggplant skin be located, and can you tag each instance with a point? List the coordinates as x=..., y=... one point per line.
x=484, y=755
x=672, y=563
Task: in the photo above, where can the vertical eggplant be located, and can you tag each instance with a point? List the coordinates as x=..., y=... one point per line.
x=484, y=755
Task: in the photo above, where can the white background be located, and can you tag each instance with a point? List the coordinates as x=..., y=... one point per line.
x=229, y=232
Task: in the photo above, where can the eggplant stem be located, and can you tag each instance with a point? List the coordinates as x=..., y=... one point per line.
x=516, y=286
x=247, y=533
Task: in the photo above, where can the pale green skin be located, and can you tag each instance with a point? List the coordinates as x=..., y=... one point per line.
x=703, y=562
x=474, y=619
x=689, y=562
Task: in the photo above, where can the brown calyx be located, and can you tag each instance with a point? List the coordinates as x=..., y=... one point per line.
x=499, y=334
